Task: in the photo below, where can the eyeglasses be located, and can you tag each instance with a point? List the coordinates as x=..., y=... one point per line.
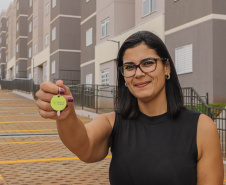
x=146, y=65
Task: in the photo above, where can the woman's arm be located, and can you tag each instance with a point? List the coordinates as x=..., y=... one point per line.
x=90, y=142
x=210, y=170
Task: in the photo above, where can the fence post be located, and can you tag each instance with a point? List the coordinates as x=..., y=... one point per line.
x=96, y=100
x=191, y=99
x=207, y=98
x=83, y=95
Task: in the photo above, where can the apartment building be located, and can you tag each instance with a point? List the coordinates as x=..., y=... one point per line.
x=43, y=40
x=2, y=43
x=195, y=36
x=116, y=21
x=65, y=42
x=88, y=41
x=21, y=9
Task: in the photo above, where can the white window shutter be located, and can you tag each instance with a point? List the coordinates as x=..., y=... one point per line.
x=183, y=59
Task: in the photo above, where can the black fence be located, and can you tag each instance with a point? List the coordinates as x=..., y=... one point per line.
x=195, y=102
x=97, y=98
x=101, y=98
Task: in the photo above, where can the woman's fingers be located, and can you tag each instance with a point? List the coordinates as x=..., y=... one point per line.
x=52, y=88
x=48, y=114
x=60, y=83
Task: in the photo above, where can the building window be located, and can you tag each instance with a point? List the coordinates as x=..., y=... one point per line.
x=16, y=69
x=105, y=28
x=35, y=48
x=105, y=77
x=45, y=71
x=47, y=8
x=17, y=6
x=17, y=27
x=0, y=39
x=89, y=36
x=30, y=52
x=89, y=78
x=29, y=76
x=17, y=48
x=87, y=1
x=0, y=55
x=30, y=3
x=149, y=6
x=53, y=67
x=7, y=40
x=47, y=40
x=35, y=76
x=54, y=34
x=30, y=27
x=183, y=59
x=35, y=21
x=53, y=3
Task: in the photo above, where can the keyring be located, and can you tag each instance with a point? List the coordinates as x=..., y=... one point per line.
x=58, y=103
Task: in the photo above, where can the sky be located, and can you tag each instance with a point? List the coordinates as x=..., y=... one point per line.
x=4, y=4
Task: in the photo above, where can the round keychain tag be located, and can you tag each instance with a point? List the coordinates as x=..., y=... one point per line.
x=58, y=103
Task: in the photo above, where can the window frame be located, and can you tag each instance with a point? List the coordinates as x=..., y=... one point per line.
x=89, y=36
x=47, y=9
x=35, y=49
x=30, y=27
x=53, y=66
x=185, y=61
x=106, y=74
x=30, y=3
x=29, y=52
x=54, y=34
x=151, y=9
x=35, y=21
x=53, y=3
x=47, y=40
x=106, y=24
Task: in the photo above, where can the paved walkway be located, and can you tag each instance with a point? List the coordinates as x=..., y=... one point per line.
x=41, y=158
x=31, y=152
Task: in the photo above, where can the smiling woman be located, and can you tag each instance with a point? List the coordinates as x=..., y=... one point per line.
x=153, y=138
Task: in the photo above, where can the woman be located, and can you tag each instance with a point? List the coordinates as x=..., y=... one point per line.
x=154, y=139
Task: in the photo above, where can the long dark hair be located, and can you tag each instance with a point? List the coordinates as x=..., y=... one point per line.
x=126, y=103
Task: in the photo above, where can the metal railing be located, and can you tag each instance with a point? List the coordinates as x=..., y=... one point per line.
x=193, y=101
x=101, y=98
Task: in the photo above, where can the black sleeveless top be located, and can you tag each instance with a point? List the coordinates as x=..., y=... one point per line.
x=154, y=150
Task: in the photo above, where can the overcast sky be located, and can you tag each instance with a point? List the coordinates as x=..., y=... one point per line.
x=4, y=4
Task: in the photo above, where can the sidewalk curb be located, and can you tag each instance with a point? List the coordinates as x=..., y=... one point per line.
x=25, y=95
x=88, y=114
x=84, y=113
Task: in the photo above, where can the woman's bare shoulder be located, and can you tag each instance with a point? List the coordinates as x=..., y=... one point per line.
x=206, y=130
x=110, y=117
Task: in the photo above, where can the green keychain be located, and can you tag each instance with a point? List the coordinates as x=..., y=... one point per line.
x=58, y=103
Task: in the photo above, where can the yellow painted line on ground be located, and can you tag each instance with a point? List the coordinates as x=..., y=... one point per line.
x=7, y=143
x=16, y=107
x=42, y=160
x=30, y=110
x=20, y=115
x=1, y=178
x=25, y=121
x=28, y=130
x=31, y=121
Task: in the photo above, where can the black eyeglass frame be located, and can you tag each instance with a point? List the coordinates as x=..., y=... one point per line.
x=138, y=65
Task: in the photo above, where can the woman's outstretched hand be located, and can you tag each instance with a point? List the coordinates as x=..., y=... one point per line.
x=46, y=92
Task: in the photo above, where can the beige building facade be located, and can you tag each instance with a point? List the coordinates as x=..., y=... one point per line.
x=134, y=17
x=2, y=43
